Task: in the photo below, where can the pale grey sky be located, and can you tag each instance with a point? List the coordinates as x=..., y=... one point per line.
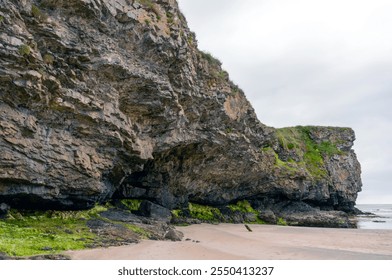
x=311, y=62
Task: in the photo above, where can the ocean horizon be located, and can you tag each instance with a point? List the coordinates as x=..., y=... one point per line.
x=381, y=218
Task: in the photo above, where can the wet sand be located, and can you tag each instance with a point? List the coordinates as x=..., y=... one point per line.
x=229, y=241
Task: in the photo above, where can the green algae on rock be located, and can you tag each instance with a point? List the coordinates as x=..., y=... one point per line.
x=32, y=233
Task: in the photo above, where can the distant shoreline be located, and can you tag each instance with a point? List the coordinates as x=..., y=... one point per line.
x=381, y=217
x=234, y=241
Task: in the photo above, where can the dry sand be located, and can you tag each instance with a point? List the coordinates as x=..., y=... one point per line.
x=228, y=241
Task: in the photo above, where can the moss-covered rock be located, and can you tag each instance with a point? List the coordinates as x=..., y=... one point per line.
x=204, y=213
x=31, y=233
x=239, y=212
x=298, y=151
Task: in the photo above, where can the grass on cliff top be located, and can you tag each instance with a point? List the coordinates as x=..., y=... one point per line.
x=299, y=137
x=27, y=233
x=298, y=140
x=210, y=58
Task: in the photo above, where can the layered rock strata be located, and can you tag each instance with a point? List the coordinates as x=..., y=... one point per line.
x=105, y=99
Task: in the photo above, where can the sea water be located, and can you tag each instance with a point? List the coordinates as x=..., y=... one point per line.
x=381, y=218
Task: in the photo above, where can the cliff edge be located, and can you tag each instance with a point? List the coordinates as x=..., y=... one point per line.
x=103, y=99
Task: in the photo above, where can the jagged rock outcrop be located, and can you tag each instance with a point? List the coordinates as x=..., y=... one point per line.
x=102, y=99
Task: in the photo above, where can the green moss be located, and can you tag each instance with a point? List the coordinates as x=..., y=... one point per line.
x=329, y=149
x=290, y=146
x=289, y=167
x=281, y=222
x=32, y=233
x=176, y=213
x=140, y=231
x=27, y=233
x=48, y=59
x=1, y=19
x=38, y=14
x=311, y=154
x=204, y=212
x=132, y=204
x=242, y=206
x=35, y=11
x=169, y=17
x=24, y=50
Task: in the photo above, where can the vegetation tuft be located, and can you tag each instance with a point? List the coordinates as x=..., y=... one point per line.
x=24, y=50
x=38, y=14
x=48, y=59
x=281, y=222
x=210, y=58
x=169, y=18
x=151, y=6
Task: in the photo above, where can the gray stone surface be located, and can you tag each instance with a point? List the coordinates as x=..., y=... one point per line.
x=174, y=235
x=155, y=211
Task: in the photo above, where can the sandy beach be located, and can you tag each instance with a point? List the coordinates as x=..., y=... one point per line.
x=229, y=241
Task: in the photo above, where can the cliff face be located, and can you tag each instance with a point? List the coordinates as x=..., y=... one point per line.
x=102, y=99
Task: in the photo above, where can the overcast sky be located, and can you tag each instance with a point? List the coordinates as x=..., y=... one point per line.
x=311, y=62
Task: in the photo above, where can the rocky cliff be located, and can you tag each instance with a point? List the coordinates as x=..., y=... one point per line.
x=104, y=99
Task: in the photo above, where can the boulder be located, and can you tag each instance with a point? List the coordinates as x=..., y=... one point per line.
x=4, y=208
x=155, y=211
x=174, y=235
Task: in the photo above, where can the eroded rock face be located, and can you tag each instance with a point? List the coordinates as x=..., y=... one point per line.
x=102, y=99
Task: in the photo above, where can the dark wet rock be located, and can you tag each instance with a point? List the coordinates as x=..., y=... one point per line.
x=267, y=216
x=120, y=215
x=111, y=234
x=333, y=219
x=50, y=257
x=4, y=256
x=155, y=211
x=4, y=208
